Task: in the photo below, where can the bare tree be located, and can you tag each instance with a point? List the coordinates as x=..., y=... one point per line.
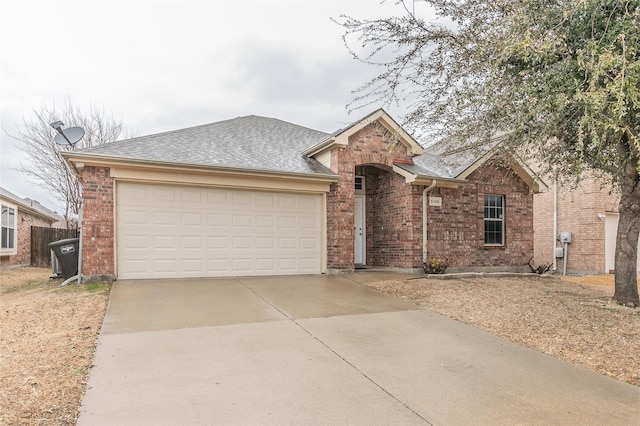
x=45, y=162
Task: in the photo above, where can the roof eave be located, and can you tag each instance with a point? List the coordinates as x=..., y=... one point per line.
x=77, y=161
x=442, y=182
x=425, y=180
x=535, y=183
x=318, y=148
x=35, y=212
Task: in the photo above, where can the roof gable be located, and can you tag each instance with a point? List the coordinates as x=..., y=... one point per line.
x=341, y=137
x=455, y=168
x=523, y=171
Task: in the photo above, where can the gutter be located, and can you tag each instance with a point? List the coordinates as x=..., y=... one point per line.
x=310, y=152
x=107, y=161
x=424, y=219
x=453, y=182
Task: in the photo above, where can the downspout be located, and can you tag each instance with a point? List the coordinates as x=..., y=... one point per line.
x=80, y=248
x=424, y=219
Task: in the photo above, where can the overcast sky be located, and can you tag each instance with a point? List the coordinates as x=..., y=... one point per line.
x=165, y=65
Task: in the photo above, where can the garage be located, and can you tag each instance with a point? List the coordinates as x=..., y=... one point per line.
x=165, y=231
x=611, y=229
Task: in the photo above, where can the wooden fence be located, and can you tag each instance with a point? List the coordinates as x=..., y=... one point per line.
x=40, y=239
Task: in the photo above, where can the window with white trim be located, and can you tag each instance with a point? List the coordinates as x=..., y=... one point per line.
x=359, y=184
x=8, y=222
x=493, y=220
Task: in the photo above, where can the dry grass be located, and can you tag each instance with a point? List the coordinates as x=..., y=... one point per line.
x=48, y=336
x=571, y=318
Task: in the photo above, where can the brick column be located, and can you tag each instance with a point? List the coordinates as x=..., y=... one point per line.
x=340, y=220
x=97, y=224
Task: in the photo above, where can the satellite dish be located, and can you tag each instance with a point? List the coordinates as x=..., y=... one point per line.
x=69, y=136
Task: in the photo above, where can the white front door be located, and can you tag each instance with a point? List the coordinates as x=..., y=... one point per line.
x=360, y=246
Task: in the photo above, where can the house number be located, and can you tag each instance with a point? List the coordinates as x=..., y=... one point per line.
x=435, y=201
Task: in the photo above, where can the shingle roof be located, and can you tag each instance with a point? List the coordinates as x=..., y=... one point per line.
x=29, y=204
x=435, y=164
x=251, y=142
x=261, y=144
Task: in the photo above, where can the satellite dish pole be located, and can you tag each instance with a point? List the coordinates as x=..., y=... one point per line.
x=70, y=136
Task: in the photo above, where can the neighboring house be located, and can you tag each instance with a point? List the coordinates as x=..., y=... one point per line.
x=18, y=216
x=260, y=196
x=590, y=213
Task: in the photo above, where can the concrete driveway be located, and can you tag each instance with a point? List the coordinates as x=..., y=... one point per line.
x=322, y=350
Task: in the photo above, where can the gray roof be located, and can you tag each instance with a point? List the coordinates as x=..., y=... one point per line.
x=437, y=164
x=262, y=144
x=30, y=204
x=251, y=142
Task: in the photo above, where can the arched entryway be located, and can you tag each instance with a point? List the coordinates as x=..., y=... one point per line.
x=387, y=218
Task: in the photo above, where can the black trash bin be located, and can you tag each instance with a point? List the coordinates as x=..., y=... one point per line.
x=67, y=252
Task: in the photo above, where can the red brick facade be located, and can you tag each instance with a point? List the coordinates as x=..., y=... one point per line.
x=394, y=211
x=24, y=222
x=97, y=224
x=389, y=203
x=393, y=219
x=456, y=229
x=580, y=211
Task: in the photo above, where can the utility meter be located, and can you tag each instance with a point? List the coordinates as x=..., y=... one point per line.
x=565, y=237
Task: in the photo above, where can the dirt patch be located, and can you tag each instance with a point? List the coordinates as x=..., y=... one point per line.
x=48, y=336
x=605, y=280
x=570, y=319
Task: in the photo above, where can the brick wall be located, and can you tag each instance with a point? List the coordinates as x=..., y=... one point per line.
x=393, y=219
x=373, y=145
x=97, y=223
x=394, y=211
x=543, y=227
x=578, y=212
x=24, y=222
x=456, y=229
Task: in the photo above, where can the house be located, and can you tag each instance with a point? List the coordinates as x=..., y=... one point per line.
x=260, y=196
x=18, y=216
x=590, y=213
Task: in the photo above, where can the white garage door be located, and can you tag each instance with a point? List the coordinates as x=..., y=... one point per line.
x=610, y=231
x=173, y=231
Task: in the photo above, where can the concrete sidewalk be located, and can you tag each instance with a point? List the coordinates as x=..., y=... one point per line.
x=322, y=350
